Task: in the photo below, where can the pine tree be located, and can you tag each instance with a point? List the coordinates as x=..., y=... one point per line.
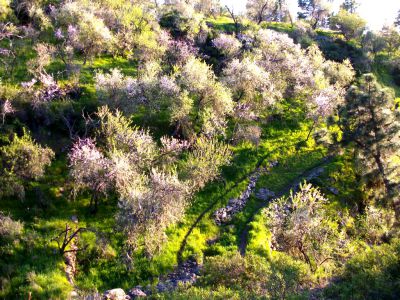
x=350, y=5
x=371, y=122
x=397, y=21
x=316, y=11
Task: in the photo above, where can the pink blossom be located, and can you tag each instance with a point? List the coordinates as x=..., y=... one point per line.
x=29, y=84
x=89, y=168
x=171, y=144
x=168, y=86
x=47, y=80
x=6, y=108
x=59, y=34
x=227, y=44
x=72, y=32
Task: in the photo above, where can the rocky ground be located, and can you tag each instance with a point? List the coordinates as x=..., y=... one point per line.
x=235, y=205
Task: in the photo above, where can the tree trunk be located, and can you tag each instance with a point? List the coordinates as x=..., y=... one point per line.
x=381, y=169
x=396, y=207
x=388, y=187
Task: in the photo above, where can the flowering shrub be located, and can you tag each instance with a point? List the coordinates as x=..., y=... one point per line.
x=179, y=52
x=89, y=169
x=227, y=44
x=200, y=89
x=152, y=195
x=181, y=19
x=250, y=133
x=116, y=90
x=249, y=81
x=204, y=161
x=151, y=207
x=137, y=33
x=376, y=224
x=6, y=109
x=84, y=30
x=9, y=229
x=300, y=226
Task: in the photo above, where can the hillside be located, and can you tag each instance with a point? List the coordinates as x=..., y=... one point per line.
x=181, y=151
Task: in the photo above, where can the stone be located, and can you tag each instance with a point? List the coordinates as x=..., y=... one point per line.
x=333, y=190
x=161, y=287
x=184, y=274
x=235, y=205
x=265, y=194
x=273, y=163
x=315, y=173
x=136, y=293
x=74, y=295
x=115, y=294
x=74, y=218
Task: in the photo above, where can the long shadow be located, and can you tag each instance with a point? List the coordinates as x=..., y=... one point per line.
x=291, y=186
x=212, y=204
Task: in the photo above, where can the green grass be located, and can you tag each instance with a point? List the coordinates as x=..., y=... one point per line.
x=32, y=263
x=383, y=75
x=279, y=26
x=104, y=272
x=222, y=23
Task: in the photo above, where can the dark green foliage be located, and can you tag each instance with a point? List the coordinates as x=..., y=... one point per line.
x=369, y=120
x=350, y=24
x=374, y=274
x=396, y=74
x=397, y=22
x=276, y=279
x=22, y=160
x=339, y=50
x=350, y=6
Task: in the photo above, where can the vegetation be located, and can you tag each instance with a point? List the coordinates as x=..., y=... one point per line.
x=127, y=127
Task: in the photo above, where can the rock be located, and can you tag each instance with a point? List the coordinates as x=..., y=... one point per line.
x=136, y=293
x=317, y=172
x=74, y=295
x=94, y=296
x=265, y=194
x=115, y=294
x=74, y=218
x=273, y=163
x=185, y=274
x=235, y=205
x=233, y=202
x=161, y=287
x=333, y=190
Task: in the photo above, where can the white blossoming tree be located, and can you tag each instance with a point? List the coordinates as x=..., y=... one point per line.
x=301, y=227
x=227, y=44
x=84, y=30
x=152, y=182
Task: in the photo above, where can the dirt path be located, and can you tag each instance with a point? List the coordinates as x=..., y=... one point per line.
x=307, y=175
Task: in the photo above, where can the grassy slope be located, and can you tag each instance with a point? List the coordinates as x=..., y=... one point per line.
x=33, y=264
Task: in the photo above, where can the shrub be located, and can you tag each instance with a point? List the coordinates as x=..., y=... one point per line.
x=373, y=274
x=9, y=229
x=20, y=161
x=301, y=227
x=351, y=25
x=227, y=44
x=376, y=224
x=181, y=19
x=255, y=276
x=251, y=133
